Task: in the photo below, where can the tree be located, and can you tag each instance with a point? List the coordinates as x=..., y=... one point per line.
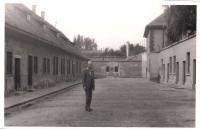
x=181, y=21
x=134, y=50
x=85, y=43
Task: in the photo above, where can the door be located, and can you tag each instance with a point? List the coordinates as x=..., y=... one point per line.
x=167, y=72
x=30, y=70
x=194, y=73
x=163, y=72
x=17, y=74
x=177, y=72
x=183, y=72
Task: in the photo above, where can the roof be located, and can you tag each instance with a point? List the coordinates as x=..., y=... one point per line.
x=159, y=22
x=16, y=17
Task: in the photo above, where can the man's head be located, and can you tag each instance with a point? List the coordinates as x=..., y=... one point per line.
x=89, y=64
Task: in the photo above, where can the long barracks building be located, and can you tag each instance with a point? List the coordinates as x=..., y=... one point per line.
x=36, y=53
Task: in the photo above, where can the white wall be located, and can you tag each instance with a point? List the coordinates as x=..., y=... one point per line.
x=179, y=50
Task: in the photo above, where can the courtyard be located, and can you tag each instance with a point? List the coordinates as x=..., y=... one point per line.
x=116, y=102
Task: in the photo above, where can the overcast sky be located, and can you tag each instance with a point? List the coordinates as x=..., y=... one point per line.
x=110, y=22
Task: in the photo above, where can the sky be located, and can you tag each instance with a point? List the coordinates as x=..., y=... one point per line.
x=110, y=22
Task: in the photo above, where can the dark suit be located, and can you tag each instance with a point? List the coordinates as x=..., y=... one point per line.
x=88, y=85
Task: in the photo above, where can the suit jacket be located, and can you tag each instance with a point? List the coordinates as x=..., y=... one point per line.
x=88, y=79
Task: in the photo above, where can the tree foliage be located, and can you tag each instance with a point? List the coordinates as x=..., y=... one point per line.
x=181, y=21
x=134, y=49
x=85, y=43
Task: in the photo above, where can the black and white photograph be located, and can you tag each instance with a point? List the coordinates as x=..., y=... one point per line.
x=100, y=63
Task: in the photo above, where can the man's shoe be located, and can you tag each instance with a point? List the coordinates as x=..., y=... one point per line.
x=90, y=109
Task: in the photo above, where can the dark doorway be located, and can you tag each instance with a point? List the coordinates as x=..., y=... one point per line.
x=163, y=72
x=30, y=71
x=177, y=72
x=167, y=72
x=17, y=74
x=194, y=73
x=183, y=72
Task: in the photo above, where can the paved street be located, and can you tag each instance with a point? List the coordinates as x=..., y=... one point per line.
x=116, y=102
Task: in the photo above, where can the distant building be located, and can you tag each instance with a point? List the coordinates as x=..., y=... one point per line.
x=115, y=66
x=175, y=63
x=37, y=54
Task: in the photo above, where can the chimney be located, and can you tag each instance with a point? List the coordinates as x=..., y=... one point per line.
x=34, y=8
x=43, y=15
x=127, y=49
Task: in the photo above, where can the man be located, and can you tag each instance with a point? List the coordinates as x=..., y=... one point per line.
x=88, y=85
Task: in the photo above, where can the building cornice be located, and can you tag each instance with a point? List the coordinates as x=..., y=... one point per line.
x=178, y=42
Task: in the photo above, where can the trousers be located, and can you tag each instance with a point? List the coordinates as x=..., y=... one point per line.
x=88, y=95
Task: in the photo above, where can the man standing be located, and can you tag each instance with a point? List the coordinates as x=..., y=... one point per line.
x=88, y=85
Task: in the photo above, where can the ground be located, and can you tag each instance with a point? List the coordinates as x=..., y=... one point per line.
x=124, y=102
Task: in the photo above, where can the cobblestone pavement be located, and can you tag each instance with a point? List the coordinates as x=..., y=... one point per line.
x=124, y=102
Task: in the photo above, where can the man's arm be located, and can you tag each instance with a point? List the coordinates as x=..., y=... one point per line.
x=93, y=81
x=83, y=79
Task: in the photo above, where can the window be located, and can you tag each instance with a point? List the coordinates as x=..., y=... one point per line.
x=151, y=45
x=107, y=69
x=188, y=62
x=170, y=65
x=174, y=68
x=68, y=66
x=9, y=57
x=35, y=64
x=48, y=66
x=44, y=65
x=62, y=66
x=72, y=64
x=54, y=65
x=116, y=68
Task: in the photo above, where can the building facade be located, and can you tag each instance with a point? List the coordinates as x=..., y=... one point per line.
x=112, y=66
x=173, y=64
x=37, y=55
